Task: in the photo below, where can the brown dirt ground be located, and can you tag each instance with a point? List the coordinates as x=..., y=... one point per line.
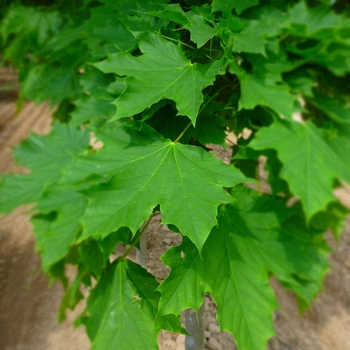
x=28, y=306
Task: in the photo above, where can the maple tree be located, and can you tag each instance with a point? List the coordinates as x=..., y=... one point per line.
x=156, y=83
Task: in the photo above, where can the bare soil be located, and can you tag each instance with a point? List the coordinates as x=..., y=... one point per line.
x=28, y=306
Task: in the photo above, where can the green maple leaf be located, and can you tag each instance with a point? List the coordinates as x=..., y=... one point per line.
x=198, y=26
x=228, y=5
x=249, y=39
x=91, y=256
x=105, y=25
x=133, y=173
x=265, y=92
x=265, y=86
x=44, y=153
x=326, y=30
x=134, y=14
x=123, y=309
x=310, y=164
x=186, y=181
x=255, y=236
x=30, y=24
x=161, y=72
x=50, y=83
x=57, y=79
x=318, y=22
x=16, y=190
x=89, y=107
x=272, y=66
x=93, y=80
x=255, y=32
x=56, y=227
x=100, y=90
x=48, y=156
x=195, y=21
x=253, y=37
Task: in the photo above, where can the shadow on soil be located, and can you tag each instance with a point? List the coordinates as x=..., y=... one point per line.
x=26, y=302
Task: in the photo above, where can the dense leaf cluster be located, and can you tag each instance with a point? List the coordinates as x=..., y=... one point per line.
x=155, y=83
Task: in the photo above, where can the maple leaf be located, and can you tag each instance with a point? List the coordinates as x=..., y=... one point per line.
x=134, y=15
x=265, y=92
x=186, y=181
x=48, y=156
x=255, y=236
x=90, y=106
x=147, y=172
x=264, y=87
x=17, y=190
x=255, y=33
x=228, y=5
x=50, y=83
x=161, y=72
x=30, y=22
x=123, y=309
x=89, y=200
x=318, y=22
x=52, y=151
x=106, y=25
x=56, y=227
x=310, y=164
x=195, y=21
x=326, y=30
x=100, y=90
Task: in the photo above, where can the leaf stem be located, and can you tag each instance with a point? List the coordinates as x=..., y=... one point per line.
x=183, y=132
x=178, y=41
x=283, y=37
x=200, y=111
x=132, y=246
x=178, y=29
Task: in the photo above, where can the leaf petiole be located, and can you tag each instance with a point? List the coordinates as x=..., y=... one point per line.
x=200, y=111
x=178, y=41
x=183, y=132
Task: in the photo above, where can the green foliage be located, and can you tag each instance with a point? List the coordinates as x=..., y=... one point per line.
x=123, y=306
x=154, y=84
x=182, y=81
x=252, y=240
